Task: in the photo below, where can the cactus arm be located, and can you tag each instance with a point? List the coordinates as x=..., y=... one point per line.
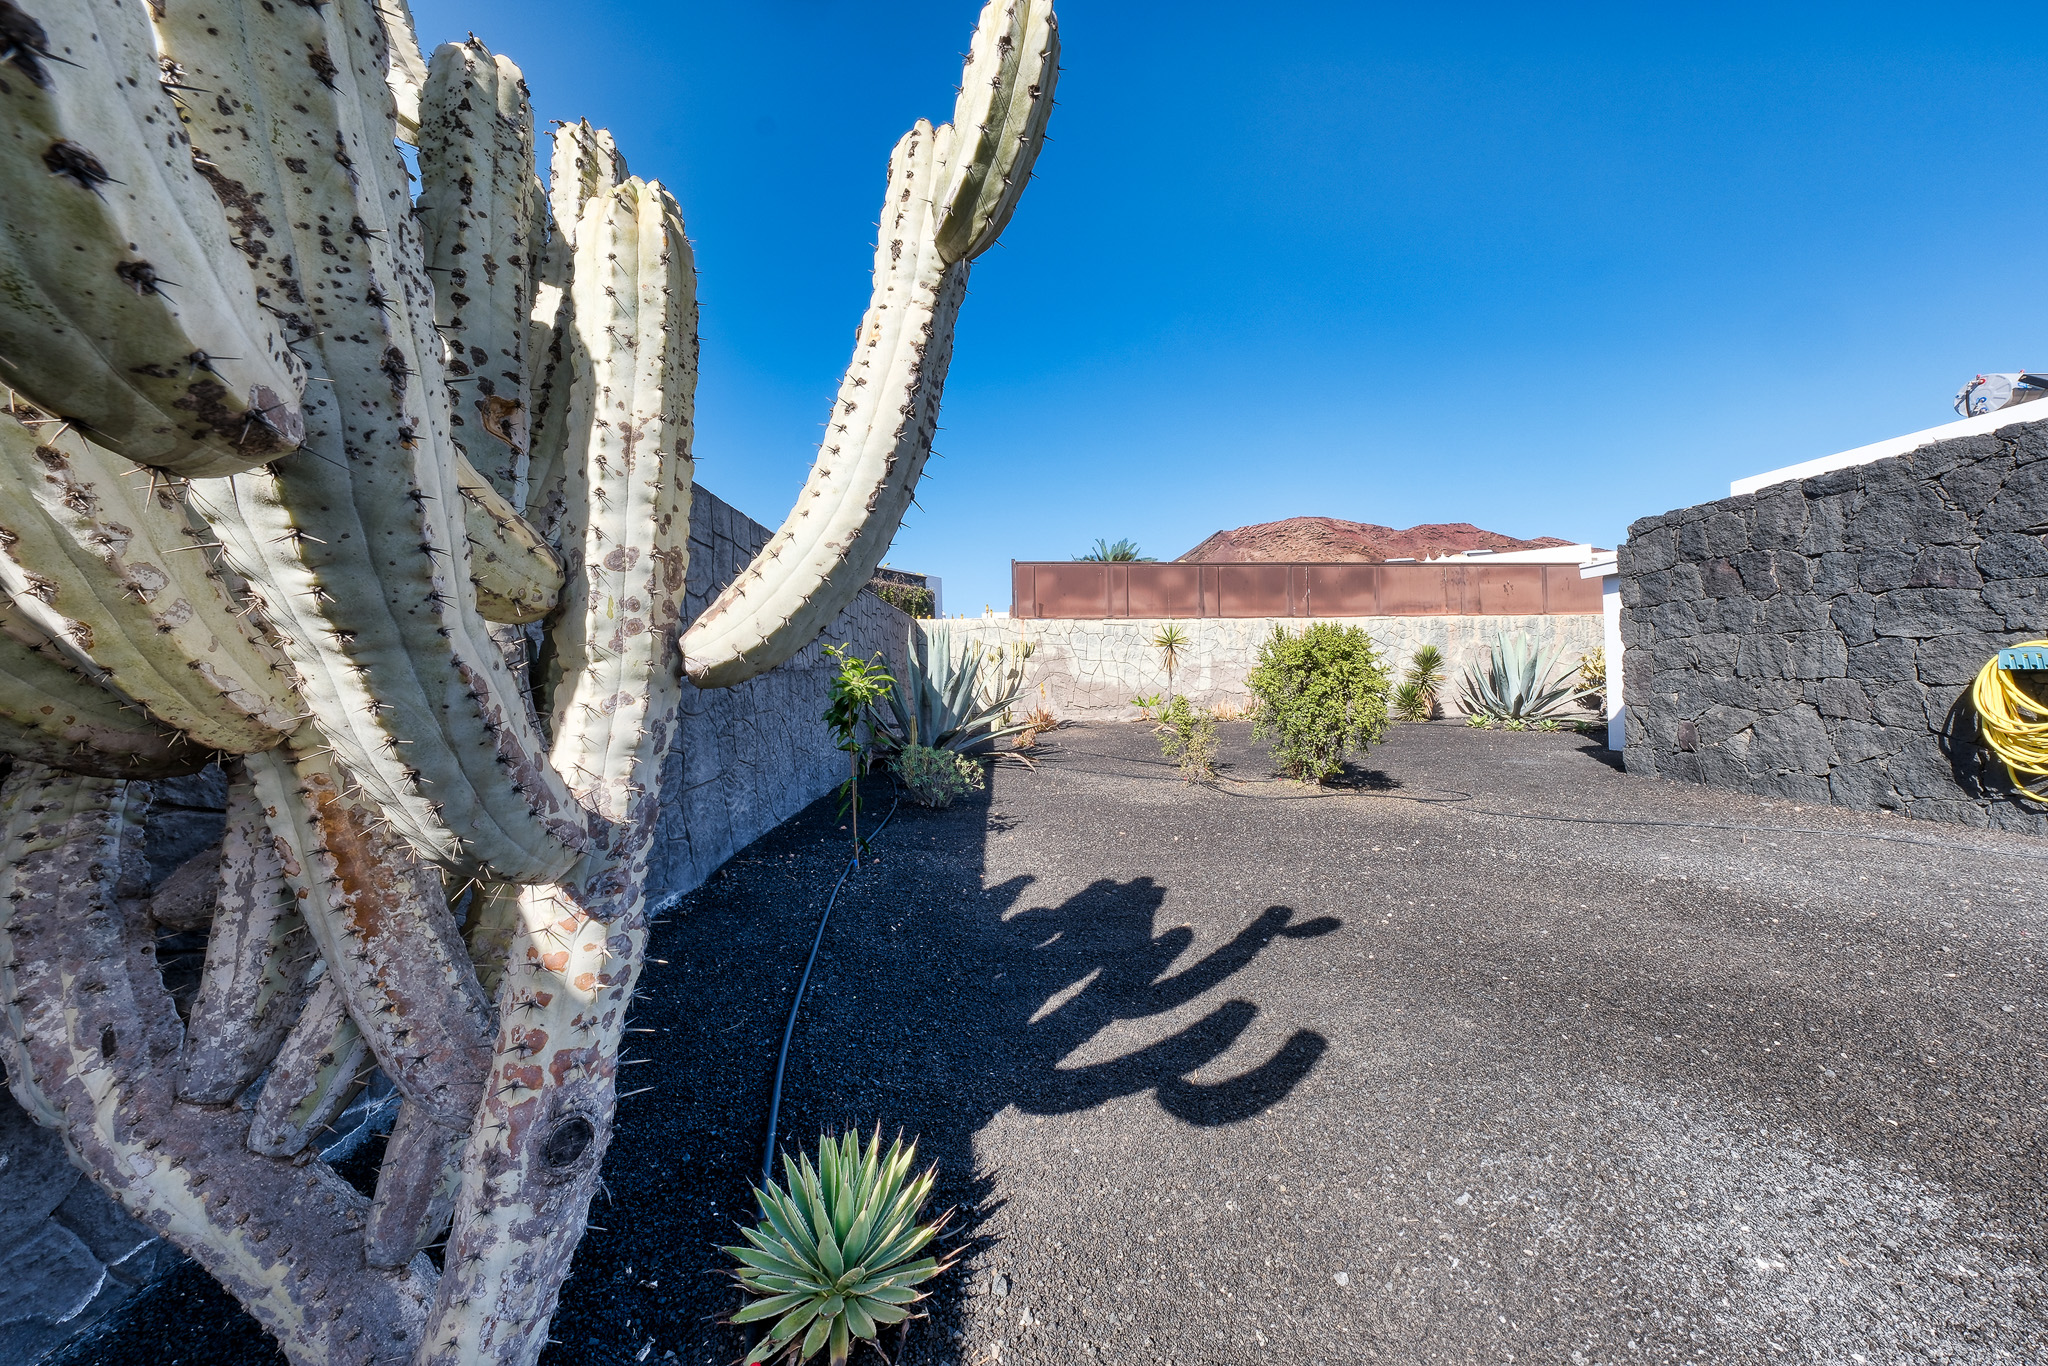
x=258, y=963
x=876, y=443
x=91, y=1036
x=1005, y=101
x=494, y=922
x=518, y=578
x=99, y=553
x=535, y=1149
x=397, y=666
x=50, y=714
x=951, y=191
x=405, y=69
x=476, y=181
x=382, y=924
x=126, y=310
x=318, y=1070
x=583, y=164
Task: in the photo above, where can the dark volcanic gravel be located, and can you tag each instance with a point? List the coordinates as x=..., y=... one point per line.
x=1421, y=1069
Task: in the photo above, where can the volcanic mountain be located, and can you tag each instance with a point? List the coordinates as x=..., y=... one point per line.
x=1325, y=539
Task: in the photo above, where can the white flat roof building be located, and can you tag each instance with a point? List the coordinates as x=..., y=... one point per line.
x=1897, y=445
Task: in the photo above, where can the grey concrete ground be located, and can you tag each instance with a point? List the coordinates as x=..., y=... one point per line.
x=1422, y=1070
x=1522, y=1090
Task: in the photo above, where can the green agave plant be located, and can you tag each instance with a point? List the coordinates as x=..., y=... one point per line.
x=948, y=703
x=1518, y=682
x=836, y=1254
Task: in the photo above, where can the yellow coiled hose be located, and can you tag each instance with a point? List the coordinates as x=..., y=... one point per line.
x=2014, y=724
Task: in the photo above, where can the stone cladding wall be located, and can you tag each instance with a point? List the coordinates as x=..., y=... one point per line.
x=1816, y=640
x=755, y=755
x=750, y=757
x=1090, y=669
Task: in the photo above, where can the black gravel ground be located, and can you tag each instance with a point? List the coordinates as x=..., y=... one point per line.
x=1492, y=1054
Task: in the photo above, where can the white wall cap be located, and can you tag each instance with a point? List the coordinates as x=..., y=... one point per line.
x=1602, y=565
x=1897, y=445
x=1549, y=554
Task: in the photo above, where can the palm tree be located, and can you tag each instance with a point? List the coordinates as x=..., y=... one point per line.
x=1124, y=550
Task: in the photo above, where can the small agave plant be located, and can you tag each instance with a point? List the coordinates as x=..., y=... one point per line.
x=836, y=1255
x=1518, y=686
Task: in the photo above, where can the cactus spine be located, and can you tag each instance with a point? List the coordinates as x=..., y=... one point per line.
x=493, y=444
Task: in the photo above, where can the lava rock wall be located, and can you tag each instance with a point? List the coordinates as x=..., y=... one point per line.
x=1816, y=640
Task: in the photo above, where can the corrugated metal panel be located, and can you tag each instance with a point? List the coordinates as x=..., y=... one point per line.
x=1090, y=590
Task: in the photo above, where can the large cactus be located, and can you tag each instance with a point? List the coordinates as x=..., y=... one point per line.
x=292, y=468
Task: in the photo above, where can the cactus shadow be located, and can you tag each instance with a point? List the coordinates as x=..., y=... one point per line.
x=947, y=1004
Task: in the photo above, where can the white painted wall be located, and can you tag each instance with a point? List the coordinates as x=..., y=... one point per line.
x=1897, y=445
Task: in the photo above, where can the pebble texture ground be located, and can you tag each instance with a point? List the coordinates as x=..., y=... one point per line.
x=1492, y=1055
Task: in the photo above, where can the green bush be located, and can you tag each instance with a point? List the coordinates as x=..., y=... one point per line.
x=914, y=602
x=936, y=776
x=1322, y=694
x=1188, y=737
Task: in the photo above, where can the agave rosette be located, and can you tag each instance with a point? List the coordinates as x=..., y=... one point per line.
x=837, y=1254
x=1518, y=682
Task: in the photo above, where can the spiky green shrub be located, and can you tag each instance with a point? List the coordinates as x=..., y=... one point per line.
x=1322, y=694
x=1518, y=682
x=1188, y=737
x=1411, y=703
x=947, y=702
x=1415, y=699
x=1170, y=640
x=836, y=1254
x=936, y=776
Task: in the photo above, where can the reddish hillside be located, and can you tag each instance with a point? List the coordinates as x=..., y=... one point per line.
x=1325, y=539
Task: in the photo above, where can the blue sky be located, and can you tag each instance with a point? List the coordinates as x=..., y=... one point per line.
x=1545, y=269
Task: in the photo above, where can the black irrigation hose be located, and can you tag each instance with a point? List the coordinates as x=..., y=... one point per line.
x=789, y=1029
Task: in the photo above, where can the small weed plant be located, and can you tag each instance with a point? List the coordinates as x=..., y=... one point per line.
x=934, y=777
x=1322, y=694
x=1149, y=705
x=858, y=686
x=839, y=1249
x=1188, y=737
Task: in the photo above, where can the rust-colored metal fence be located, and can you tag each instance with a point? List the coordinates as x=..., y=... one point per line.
x=1093, y=589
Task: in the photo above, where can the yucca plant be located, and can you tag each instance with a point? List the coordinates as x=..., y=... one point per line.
x=1421, y=682
x=836, y=1254
x=1411, y=703
x=1170, y=640
x=1519, y=683
x=946, y=703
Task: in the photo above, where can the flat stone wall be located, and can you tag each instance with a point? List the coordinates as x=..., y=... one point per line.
x=754, y=755
x=1816, y=640
x=1090, y=669
x=750, y=757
